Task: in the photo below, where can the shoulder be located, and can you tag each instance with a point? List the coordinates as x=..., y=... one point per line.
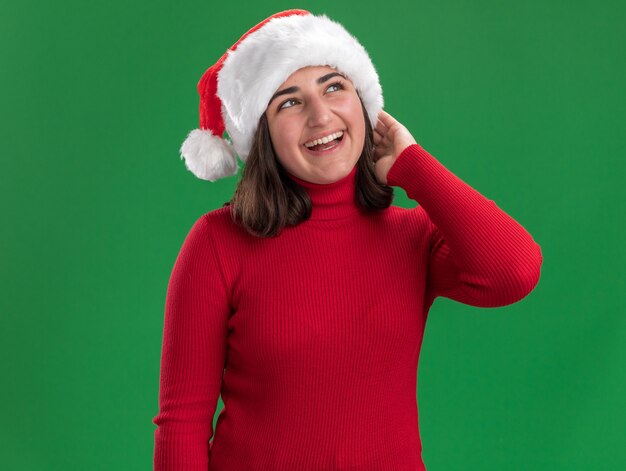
x=407, y=216
x=219, y=224
x=217, y=217
x=410, y=224
x=211, y=222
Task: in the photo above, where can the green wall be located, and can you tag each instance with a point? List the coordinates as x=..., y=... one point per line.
x=522, y=100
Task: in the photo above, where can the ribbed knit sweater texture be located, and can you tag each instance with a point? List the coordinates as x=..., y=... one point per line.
x=312, y=337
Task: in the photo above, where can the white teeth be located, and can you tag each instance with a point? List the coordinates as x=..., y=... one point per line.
x=324, y=140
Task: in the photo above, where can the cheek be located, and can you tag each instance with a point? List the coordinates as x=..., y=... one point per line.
x=281, y=133
x=354, y=112
x=285, y=137
x=285, y=133
x=351, y=109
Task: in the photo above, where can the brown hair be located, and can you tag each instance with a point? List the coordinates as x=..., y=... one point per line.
x=266, y=199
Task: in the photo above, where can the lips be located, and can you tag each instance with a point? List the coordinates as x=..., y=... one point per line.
x=324, y=138
x=327, y=148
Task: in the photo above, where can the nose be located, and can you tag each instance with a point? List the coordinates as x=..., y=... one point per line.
x=319, y=112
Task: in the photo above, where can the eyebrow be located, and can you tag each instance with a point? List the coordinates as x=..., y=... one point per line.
x=320, y=81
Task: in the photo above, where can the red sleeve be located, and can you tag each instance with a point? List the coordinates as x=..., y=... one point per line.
x=193, y=355
x=479, y=255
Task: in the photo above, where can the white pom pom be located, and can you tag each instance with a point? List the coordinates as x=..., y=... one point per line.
x=208, y=156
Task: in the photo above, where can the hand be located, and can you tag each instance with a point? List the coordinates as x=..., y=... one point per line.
x=390, y=139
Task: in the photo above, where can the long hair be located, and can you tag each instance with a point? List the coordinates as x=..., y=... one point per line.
x=266, y=199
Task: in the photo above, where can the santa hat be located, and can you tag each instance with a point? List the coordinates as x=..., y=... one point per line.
x=235, y=91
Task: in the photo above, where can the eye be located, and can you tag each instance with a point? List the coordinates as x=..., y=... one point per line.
x=339, y=85
x=282, y=106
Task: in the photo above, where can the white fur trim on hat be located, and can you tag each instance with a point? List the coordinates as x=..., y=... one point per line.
x=252, y=73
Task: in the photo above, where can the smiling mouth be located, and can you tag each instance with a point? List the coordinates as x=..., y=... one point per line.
x=325, y=147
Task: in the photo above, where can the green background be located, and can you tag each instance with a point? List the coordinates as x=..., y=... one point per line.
x=522, y=100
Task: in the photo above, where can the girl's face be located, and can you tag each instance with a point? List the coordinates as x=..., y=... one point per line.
x=317, y=103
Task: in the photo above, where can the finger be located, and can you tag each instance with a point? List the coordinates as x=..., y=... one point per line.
x=379, y=139
x=386, y=118
x=381, y=128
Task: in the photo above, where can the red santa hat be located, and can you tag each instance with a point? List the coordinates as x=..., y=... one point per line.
x=235, y=91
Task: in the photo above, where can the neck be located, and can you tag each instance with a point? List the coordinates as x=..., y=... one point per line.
x=336, y=200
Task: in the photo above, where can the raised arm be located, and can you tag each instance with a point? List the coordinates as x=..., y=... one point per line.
x=193, y=355
x=479, y=255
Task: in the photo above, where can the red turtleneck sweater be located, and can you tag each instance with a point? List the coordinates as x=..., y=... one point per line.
x=312, y=338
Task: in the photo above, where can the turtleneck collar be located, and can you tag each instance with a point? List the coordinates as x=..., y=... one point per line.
x=336, y=200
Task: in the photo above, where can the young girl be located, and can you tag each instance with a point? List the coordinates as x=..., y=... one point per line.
x=303, y=301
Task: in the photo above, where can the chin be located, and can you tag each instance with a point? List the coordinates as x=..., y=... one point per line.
x=332, y=174
x=317, y=171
